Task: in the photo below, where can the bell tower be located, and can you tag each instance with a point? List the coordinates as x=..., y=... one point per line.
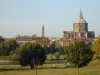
x=43, y=30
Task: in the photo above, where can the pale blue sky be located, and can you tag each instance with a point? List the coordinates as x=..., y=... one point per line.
x=26, y=17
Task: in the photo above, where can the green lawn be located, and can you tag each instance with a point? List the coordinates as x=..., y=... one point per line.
x=92, y=69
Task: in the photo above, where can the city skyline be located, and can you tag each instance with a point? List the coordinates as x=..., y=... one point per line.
x=22, y=17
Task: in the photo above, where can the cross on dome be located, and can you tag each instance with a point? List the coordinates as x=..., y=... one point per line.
x=80, y=14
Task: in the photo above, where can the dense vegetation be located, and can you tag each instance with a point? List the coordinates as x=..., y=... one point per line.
x=34, y=54
x=96, y=46
x=7, y=47
x=79, y=53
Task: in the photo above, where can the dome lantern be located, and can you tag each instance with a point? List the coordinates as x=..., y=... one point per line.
x=80, y=18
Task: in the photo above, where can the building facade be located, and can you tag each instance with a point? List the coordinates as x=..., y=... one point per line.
x=80, y=29
x=80, y=32
x=34, y=38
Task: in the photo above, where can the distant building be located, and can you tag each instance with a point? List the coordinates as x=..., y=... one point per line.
x=1, y=39
x=54, y=41
x=80, y=32
x=80, y=29
x=67, y=42
x=34, y=38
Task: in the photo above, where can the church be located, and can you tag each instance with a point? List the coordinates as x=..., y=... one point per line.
x=80, y=32
x=80, y=29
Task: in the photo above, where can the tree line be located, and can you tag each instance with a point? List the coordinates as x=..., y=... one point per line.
x=11, y=46
x=78, y=53
x=7, y=47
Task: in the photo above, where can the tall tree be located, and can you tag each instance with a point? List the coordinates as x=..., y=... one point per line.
x=11, y=45
x=46, y=48
x=79, y=53
x=53, y=48
x=6, y=47
x=96, y=45
x=60, y=49
x=32, y=54
x=2, y=49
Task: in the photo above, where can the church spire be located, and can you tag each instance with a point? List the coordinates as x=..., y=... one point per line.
x=80, y=15
x=43, y=30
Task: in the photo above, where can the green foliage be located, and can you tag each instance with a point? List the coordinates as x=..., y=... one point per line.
x=52, y=49
x=79, y=53
x=5, y=57
x=92, y=69
x=57, y=55
x=50, y=57
x=32, y=54
x=15, y=57
x=2, y=49
x=12, y=44
x=46, y=48
x=61, y=49
x=6, y=47
x=65, y=48
x=15, y=54
x=96, y=45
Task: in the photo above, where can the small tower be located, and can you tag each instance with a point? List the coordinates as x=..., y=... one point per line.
x=43, y=30
x=80, y=15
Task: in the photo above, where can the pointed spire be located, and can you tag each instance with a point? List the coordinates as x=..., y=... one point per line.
x=80, y=14
x=43, y=30
x=43, y=26
x=80, y=10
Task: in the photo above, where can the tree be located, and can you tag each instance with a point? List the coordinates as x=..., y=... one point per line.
x=79, y=53
x=46, y=48
x=12, y=44
x=32, y=54
x=57, y=55
x=15, y=54
x=50, y=57
x=96, y=45
x=53, y=48
x=2, y=49
x=8, y=46
x=60, y=49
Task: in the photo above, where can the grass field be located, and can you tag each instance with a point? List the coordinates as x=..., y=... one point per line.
x=92, y=69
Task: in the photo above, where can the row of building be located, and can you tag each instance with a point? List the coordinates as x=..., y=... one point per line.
x=80, y=32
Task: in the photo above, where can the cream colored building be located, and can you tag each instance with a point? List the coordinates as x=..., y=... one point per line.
x=80, y=29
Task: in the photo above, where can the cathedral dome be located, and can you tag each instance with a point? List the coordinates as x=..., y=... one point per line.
x=80, y=18
x=80, y=21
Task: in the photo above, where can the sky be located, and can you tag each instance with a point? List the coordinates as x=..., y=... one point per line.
x=26, y=17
